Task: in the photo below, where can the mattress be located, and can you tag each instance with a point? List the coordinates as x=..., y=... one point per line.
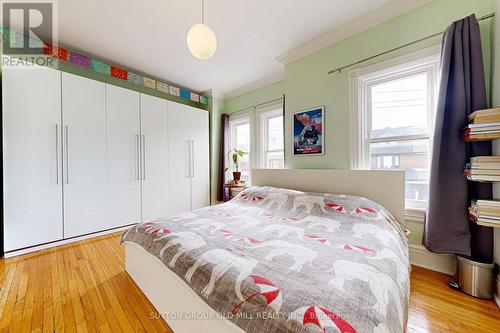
x=279, y=260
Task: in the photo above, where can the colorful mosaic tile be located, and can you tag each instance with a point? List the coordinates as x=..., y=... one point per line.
x=134, y=78
x=58, y=52
x=174, y=91
x=203, y=99
x=194, y=97
x=79, y=59
x=19, y=40
x=161, y=86
x=150, y=83
x=36, y=43
x=185, y=94
x=100, y=67
x=118, y=73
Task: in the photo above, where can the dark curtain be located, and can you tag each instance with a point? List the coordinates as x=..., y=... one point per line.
x=224, y=148
x=462, y=91
x=284, y=137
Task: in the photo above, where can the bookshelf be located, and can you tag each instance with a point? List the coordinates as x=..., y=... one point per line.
x=484, y=125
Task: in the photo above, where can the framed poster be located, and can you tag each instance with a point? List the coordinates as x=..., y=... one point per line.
x=307, y=129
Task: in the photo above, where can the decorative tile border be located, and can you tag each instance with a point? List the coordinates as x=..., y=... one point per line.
x=101, y=67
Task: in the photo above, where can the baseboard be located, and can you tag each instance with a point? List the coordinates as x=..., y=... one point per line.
x=444, y=263
x=62, y=242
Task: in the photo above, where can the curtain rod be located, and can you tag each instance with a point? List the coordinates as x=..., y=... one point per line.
x=256, y=106
x=340, y=69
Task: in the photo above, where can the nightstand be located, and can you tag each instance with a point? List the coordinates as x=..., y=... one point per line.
x=232, y=190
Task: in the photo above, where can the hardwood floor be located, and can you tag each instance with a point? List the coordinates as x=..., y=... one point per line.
x=83, y=287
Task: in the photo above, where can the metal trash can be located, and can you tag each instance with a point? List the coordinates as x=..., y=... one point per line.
x=475, y=278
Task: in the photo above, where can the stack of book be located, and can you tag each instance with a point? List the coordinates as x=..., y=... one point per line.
x=483, y=125
x=485, y=212
x=483, y=168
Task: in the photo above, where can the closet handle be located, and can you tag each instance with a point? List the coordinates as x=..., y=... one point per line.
x=188, y=146
x=144, y=157
x=138, y=157
x=57, y=154
x=67, y=153
x=192, y=159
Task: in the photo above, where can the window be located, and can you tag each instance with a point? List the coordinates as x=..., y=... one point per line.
x=240, y=139
x=271, y=134
x=259, y=133
x=392, y=119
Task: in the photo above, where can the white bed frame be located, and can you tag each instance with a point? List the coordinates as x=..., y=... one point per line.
x=175, y=300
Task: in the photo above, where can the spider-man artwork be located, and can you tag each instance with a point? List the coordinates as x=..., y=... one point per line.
x=308, y=132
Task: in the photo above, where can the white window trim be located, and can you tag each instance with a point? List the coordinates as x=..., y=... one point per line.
x=360, y=119
x=257, y=145
x=235, y=120
x=263, y=114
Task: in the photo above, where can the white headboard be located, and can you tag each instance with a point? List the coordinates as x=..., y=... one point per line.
x=384, y=187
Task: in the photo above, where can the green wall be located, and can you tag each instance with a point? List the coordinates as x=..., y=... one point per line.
x=307, y=83
x=261, y=95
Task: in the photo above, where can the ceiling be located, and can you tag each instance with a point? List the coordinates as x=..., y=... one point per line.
x=150, y=35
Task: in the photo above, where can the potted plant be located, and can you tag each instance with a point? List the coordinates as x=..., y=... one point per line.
x=236, y=156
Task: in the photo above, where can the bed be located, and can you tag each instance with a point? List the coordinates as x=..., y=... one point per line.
x=300, y=251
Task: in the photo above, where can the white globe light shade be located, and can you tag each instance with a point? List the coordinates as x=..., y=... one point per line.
x=201, y=41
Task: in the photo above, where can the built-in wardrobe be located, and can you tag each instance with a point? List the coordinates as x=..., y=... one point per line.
x=82, y=156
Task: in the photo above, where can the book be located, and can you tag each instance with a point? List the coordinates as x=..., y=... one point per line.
x=489, y=218
x=488, y=211
x=484, y=129
x=485, y=159
x=469, y=131
x=484, y=166
x=482, y=136
x=484, y=112
x=485, y=125
x=482, y=202
x=487, y=172
x=487, y=224
x=484, y=178
x=486, y=119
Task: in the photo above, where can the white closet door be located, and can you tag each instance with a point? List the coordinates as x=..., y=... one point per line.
x=154, y=150
x=179, y=122
x=31, y=156
x=84, y=152
x=123, y=150
x=199, y=134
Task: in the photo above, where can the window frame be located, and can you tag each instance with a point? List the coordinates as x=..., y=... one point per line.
x=256, y=116
x=264, y=114
x=235, y=121
x=361, y=80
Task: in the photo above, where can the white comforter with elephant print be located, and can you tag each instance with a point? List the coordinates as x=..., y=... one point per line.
x=277, y=260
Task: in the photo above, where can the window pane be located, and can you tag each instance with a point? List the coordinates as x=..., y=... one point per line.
x=275, y=133
x=245, y=168
x=243, y=137
x=275, y=160
x=400, y=107
x=411, y=156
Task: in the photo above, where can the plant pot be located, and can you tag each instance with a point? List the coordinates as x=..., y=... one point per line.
x=236, y=175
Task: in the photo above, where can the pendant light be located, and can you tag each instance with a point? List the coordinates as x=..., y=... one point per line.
x=201, y=40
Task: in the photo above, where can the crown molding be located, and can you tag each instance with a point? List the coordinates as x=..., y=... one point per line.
x=214, y=94
x=382, y=14
x=265, y=81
